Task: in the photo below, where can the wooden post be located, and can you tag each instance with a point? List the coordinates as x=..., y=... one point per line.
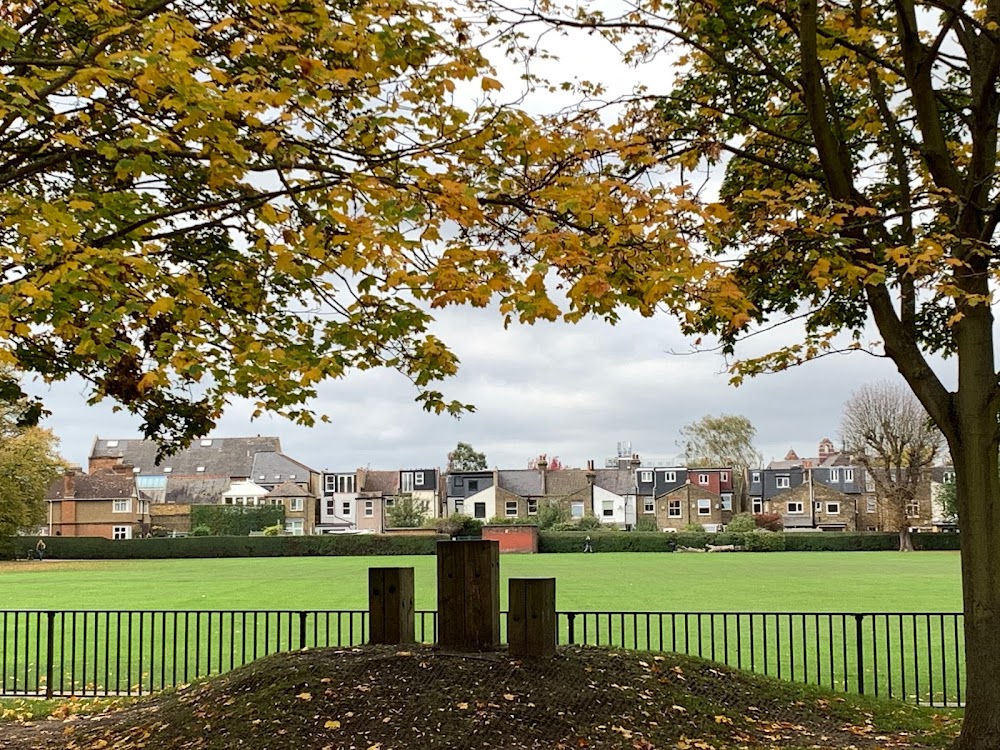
x=390, y=605
x=531, y=620
x=468, y=581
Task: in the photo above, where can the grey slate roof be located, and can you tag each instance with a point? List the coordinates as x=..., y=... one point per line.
x=102, y=486
x=289, y=489
x=232, y=457
x=566, y=482
x=196, y=490
x=619, y=481
x=386, y=482
x=274, y=467
x=522, y=482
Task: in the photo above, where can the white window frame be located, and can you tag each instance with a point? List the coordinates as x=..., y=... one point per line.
x=345, y=508
x=406, y=481
x=121, y=506
x=532, y=506
x=704, y=507
x=673, y=508
x=818, y=506
x=849, y=475
x=834, y=475
x=755, y=476
x=645, y=476
x=608, y=508
x=727, y=502
x=459, y=506
x=331, y=507
x=346, y=483
x=948, y=477
x=703, y=479
x=121, y=532
x=330, y=483
x=794, y=508
x=833, y=508
x=576, y=509
x=297, y=504
x=913, y=509
x=670, y=476
x=295, y=527
x=783, y=482
x=369, y=508
x=418, y=478
x=871, y=505
x=648, y=505
x=757, y=506
x=510, y=508
x=724, y=476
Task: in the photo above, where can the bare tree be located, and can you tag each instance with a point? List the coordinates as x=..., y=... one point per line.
x=893, y=438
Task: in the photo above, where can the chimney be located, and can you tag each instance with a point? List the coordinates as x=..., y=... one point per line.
x=591, y=474
x=542, y=464
x=69, y=482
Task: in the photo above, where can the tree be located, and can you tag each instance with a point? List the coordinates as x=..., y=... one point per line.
x=888, y=432
x=407, y=513
x=230, y=198
x=465, y=458
x=725, y=440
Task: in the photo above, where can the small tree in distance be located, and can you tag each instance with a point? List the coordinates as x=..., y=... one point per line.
x=551, y=464
x=466, y=458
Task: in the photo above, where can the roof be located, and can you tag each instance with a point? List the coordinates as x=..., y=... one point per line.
x=289, y=489
x=386, y=482
x=272, y=467
x=196, y=490
x=101, y=486
x=566, y=482
x=232, y=457
x=619, y=481
x=522, y=482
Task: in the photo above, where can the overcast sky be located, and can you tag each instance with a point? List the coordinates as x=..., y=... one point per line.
x=568, y=391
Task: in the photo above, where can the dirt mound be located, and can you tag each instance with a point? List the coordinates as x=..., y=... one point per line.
x=384, y=698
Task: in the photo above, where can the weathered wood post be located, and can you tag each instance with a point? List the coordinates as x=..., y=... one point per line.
x=390, y=605
x=468, y=581
x=531, y=618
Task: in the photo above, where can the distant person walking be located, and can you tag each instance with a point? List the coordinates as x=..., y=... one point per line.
x=40, y=550
x=587, y=546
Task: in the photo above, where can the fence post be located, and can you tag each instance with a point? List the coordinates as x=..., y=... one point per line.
x=468, y=583
x=390, y=605
x=571, y=616
x=49, y=652
x=531, y=623
x=860, y=647
x=302, y=629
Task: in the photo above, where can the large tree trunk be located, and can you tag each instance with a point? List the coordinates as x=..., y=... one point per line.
x=905, y=542
x=974, y=452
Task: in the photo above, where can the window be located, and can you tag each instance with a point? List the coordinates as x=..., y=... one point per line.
x=331, y=507
x=390, y=501
x=121, y=532
x=727, y=502
x=703, y=479
x=833, y=509
x=724, y=476
x=369, y=508
x=755, y=477
x=459, y=506
x=329, y=483
x=479, y=510
x=704, y=507
x=205, y=443
x=510, y=508
x=167, y=469
x=607, y=508
x=794, y=506
x=297, y=504
x=670, y=476
x=648, y=506
x=645, y=476
x=757, y=506
x=473, y=485
x=291, y=476
x=345, y=508
x=834, y=475
x=418, y=479
x=532, y=507
x=576, y=509
x=912, y=509
x=112, y=443
x=818, y=506
x=262, y=476
x=870, y=506
x=295, y=527
x=200, y=468
x=782, y=483
x=406, y=481
x=848, y=475
x=948, y=477
x=121, y=506
x=136, y=469
x=345, y=483
x=674, y=508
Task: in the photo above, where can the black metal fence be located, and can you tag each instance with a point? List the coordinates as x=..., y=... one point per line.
x=915, y=657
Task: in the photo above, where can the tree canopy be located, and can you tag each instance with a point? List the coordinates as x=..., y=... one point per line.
x=466, y=458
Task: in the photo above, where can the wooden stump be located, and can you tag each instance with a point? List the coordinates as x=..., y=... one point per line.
x=468, y=581
x=390, y=605
x=531, y=620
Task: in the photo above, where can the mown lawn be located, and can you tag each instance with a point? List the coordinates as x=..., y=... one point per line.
x=777, y=582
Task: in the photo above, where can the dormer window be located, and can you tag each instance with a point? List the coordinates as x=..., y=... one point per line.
x=112, y=443
x=205, y=443
x=200, y=469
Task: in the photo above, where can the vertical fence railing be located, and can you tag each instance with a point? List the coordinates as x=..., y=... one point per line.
x=918, y=658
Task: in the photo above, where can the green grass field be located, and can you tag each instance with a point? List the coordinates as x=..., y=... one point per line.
x=781, y=582
x=104, y=650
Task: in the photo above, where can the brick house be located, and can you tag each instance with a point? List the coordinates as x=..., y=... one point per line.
x=106, y=504
x=688, y=504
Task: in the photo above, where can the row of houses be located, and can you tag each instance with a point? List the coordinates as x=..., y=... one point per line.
x=126, y=492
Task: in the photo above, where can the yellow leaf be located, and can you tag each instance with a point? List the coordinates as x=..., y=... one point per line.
x=508, y=696
x=304, y=696
x=491, y=84
x=162, y=305
x=332, y=724
x=463, y=706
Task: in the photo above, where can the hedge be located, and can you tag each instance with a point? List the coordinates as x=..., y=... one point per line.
x=618, y=541
x=97, y=548
x=236, y=520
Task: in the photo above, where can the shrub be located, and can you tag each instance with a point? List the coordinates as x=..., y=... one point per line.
x=273, y=530
x=236, y=520
x=741, y=523
x=697, y=539
x=763, y=540
x=407, y=513
x=550, y=514
x=606, y=541
x=589, y=523
x=201, y=530
x=694, y=528
x=504, y=520
x=645, y=523
x=459, y=524
x=936, y=541
x=769, y=521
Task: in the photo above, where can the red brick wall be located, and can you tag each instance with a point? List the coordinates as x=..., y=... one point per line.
x=513, y=538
